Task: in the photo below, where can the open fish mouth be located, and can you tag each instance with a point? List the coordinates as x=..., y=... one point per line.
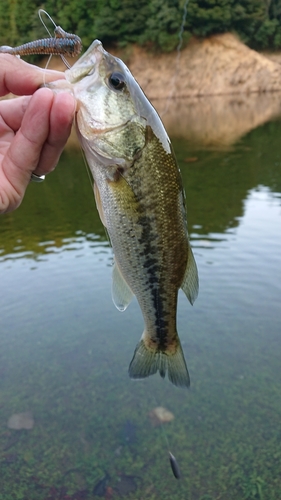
x=87, y=64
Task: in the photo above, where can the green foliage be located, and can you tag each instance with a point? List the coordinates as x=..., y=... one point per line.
x=266, y=35
x=274, y=9
x=248, y=17
x=245, y=17
x=120, y=22
x=205, y=17
x=4, y=22
x=153, y=23
x=163, y=24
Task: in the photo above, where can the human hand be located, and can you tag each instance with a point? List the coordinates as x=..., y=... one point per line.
x=33, y=128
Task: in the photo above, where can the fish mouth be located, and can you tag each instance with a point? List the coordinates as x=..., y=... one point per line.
x=87, y=64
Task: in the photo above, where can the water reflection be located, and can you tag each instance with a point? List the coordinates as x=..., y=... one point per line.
x=80, y=243
x=65, y=350
x=218, y=121
x=61, y=209
x=216, y=184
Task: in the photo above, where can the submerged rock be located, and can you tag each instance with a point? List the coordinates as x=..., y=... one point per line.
x=20, y=421
x=160, y=415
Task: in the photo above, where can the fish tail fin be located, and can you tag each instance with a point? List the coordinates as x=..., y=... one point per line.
x=148, y=360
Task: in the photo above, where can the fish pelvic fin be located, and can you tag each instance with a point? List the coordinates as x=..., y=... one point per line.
x=148, y=360
x=120, y=290
x=190, y=284
x=99, y=204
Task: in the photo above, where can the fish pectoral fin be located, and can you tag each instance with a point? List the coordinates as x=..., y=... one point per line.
x=147, y=361
x=99, y=204
x=190, y=284
x=121, y=292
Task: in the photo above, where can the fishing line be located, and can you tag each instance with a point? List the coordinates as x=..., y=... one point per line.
x=40, y=12
x=178, y=56
x=180, y=36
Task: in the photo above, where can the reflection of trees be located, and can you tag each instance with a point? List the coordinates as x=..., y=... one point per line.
x=218, y=182
x=215, y=186
x=53, y=210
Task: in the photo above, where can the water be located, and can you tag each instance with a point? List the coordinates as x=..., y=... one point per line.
x=65, y=349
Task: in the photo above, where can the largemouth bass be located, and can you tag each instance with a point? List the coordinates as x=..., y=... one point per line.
x=140, y=199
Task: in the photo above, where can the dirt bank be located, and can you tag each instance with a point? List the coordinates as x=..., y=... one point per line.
x=217, y=65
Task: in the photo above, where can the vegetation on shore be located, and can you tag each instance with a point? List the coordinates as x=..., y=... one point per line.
x=151, y=23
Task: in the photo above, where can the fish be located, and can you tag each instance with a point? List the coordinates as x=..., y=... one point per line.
x=174, y=466
x=141, y=202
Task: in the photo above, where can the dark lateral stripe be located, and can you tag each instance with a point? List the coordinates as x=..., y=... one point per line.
x=149, y=250
x=160, y=324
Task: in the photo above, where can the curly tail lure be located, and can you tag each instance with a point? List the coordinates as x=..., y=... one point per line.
x=63, y=44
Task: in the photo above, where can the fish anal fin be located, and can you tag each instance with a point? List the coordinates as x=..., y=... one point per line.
x=121, y=292
x=147, y=361
x=190, y=284
x=99, y=204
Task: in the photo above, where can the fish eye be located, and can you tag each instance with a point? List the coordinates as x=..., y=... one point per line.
x=116, y=81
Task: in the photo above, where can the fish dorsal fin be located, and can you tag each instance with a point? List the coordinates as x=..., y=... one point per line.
x=121, y=292
x=99, y=204
x=190, y=284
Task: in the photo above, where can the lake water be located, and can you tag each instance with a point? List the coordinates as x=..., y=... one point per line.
x=65, y=349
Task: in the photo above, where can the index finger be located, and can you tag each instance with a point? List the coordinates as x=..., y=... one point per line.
x=22, y=78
